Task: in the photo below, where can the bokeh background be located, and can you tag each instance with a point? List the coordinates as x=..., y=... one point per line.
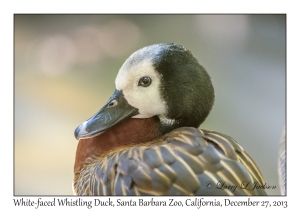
x=65, y=66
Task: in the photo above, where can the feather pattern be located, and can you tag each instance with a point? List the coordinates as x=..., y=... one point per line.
x=186, y=161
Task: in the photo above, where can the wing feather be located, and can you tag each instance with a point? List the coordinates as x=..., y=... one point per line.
x=183, y=162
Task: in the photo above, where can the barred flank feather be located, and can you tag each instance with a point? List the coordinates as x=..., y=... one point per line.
x=186, y=161
x=282, y=164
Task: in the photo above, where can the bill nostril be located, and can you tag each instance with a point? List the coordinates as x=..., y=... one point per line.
x=112, y=103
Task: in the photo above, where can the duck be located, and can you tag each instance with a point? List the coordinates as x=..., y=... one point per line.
x=146, y=139
x=281, y=163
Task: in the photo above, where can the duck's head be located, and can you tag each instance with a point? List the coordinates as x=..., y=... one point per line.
x=162, y=81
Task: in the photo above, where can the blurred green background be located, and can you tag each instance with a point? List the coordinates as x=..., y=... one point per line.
x=65, y=66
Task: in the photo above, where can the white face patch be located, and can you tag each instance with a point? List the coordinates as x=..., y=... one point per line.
x=147, y=100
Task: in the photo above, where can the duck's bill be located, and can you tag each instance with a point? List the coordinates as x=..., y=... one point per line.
x=113, y=112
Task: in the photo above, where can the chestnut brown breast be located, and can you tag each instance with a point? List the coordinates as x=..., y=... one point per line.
x=131, y=131
x=181, y=162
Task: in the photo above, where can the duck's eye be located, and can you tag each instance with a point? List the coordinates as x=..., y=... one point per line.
x=145, y=81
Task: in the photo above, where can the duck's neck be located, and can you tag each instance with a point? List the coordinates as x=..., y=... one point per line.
x=129, y=132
